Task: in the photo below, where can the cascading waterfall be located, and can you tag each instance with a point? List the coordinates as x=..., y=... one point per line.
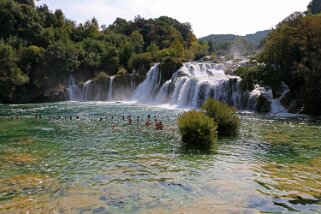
x=147, y=89
x=110, y=91
x=190, y=86
x=73, y=90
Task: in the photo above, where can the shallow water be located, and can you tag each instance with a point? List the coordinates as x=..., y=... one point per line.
x=84, y=166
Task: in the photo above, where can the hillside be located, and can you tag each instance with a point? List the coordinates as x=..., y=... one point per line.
x=225, y=44
x=40, y=49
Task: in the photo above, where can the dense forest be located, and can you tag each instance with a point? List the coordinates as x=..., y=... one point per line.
x=39, y=49
x=292, y=54
x=230, y=45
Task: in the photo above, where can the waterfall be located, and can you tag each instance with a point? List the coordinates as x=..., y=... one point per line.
x=73, y=89
x=190, y=86
x=276, y=106
x=110, y=90
x=146, y=90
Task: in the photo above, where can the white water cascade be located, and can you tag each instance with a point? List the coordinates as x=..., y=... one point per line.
x=190, y=86
x=110, y=90
x=73, y=90
x=147, y=89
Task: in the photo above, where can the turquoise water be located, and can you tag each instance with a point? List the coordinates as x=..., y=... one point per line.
x=86, y=166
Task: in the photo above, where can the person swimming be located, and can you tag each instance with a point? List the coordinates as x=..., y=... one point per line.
x=147, y=123
x=137, y=118
x=101, y=119
x=123, y=117
x=70, y=117
x=77, y=117
x=159, y=126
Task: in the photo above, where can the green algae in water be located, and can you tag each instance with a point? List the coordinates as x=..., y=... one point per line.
x=84, y=166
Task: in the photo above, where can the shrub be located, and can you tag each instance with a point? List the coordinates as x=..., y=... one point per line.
x=197, y=129
x=101, y=76
x=169, y=66
x=225, y=117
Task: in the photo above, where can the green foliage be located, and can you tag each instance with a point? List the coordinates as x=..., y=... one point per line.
x=169, y=66
x=197, y=129
x=227, y=44
x=10, y=75
x=101, y=76
x=197, y=50
x=292, y=55
x=45, y=47
x=225, y=117
x=141, y=62
x=256, y=74
x=314, y=7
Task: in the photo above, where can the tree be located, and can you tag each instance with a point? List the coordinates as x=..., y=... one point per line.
x=10, y=75
x=314, y=6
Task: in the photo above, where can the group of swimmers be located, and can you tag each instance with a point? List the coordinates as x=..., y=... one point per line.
x=158, y=124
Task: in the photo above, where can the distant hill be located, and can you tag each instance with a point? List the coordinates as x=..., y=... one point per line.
x=224, y=44
x=253, y=39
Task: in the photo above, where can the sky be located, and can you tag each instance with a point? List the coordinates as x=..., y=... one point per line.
x=206, y=16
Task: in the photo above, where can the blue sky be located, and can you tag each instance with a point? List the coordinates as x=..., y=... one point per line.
x=206, y=16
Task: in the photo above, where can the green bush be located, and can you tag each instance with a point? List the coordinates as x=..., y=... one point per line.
x=101, y=76
x=225, y=117
x=197, y=129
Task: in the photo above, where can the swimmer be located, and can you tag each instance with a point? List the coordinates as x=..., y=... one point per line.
x=49, y=118
x=59, y=117
x=148, y=116
x=147, y=123
x=77, y=118
x=36, y=116
x=101, y=119
x=112, y=117
x=123, y=117
x=113, y=127
x=137, y=118
x=65, y=117
x=130, y=120
x=39, y=116
x=159, y=126
x=70, y=117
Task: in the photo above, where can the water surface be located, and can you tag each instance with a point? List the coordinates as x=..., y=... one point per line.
x=84, y=166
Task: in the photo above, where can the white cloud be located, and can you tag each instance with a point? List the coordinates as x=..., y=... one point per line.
x=206, y=16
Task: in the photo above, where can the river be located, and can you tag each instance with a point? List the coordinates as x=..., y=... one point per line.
x=87, y=166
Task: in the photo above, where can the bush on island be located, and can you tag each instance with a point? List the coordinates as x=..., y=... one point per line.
x=225, y=117
x=197, y=129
